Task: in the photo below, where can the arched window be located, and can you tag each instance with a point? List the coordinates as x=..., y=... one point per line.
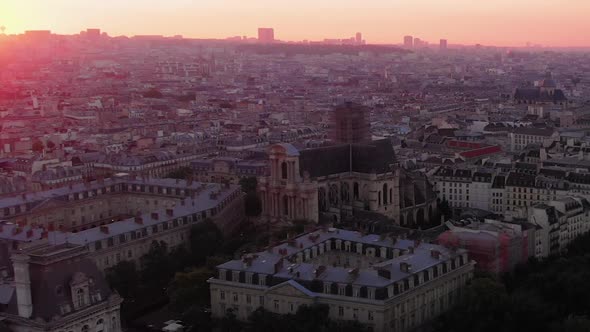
x=80, y=298
x=284, y=173
x=379, y=198
x=390, y=195
x=333, y=195
x=85, y=328
x=385, y=192
x=114, y=323
x=344, y=192
x=322, y=199
x=99, y=325
x=285, y=205
x=356, y=190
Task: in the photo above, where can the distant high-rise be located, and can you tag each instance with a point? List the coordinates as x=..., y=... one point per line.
x=266, y=35
x=93, y=33
x=359, y=38
x=350, y=123
x=408, y=41
x=443, y=44
x=417, y=42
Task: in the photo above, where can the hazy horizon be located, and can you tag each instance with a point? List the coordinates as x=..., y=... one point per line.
x=501, y=23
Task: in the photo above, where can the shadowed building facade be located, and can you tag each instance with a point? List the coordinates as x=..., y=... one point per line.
x=332, y=182
x=350, y=124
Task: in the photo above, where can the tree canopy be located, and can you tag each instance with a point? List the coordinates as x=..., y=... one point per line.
x=548, y=295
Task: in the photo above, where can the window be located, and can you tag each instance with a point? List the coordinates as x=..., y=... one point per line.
x=222, y=295
x=340, y=311
x=284, y=171
x=248, y=298
x=370, y=315
x=355, y=313
x=100, y=325
x=235, y=297
x=85, y=328
x=80, y=298
x=276, y=304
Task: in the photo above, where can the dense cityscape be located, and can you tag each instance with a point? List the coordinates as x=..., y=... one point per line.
x=153, y=183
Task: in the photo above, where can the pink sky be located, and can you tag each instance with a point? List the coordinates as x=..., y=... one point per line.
x=490, y=22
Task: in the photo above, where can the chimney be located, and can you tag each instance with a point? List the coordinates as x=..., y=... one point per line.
x=22, y=283
x=104, y=229
x=405, y=267
x=435, y=254
x=318, y=272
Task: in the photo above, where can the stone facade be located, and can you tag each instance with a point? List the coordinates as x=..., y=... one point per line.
x=333, y=182
x=409, y=283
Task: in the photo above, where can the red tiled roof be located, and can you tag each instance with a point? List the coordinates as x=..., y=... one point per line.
x=481, y=152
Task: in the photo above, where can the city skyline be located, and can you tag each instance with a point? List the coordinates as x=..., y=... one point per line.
x=502, y=23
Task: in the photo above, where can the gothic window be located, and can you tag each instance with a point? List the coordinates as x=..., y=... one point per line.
x=356, y=190
x=322, y=199
x=345, y=192
x=385, y=192
x=333, y=195
x=284, y=173
x=285, y=205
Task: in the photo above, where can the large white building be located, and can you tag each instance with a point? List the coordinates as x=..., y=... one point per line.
x=523, y=136
x=386, y=283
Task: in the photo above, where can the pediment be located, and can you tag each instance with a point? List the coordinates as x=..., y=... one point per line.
x=291, y=288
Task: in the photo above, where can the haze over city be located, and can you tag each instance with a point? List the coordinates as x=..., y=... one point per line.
x=294, y=166
x=498, y=22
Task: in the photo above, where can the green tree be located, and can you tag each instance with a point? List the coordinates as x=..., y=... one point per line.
x=230, y=323
x=252, y=205
x=575, y=324
x=157, y=267
x=445, y=209
x=190, y=289
x=205, y=240
x=249, y=184
x=124, y=278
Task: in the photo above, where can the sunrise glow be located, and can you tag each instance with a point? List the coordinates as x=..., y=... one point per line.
x=498, y=22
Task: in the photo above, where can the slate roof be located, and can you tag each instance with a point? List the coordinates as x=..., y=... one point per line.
x=376, y=156
x=535, y=94
x=51, y=279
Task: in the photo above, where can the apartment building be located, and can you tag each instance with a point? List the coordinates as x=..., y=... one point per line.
x=129, y=238
x=523, y=136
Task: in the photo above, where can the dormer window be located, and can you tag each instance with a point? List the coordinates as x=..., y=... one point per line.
x=80, y=298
